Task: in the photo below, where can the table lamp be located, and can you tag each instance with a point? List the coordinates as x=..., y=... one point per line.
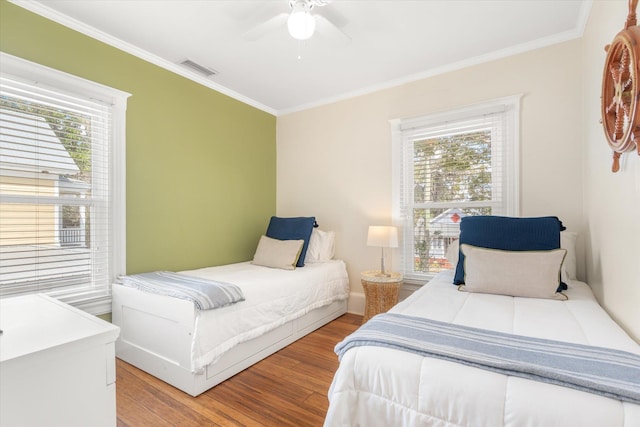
x=385, y=237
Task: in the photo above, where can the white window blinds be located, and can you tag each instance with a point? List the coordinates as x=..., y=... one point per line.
x=56, y=194
x=453, y=165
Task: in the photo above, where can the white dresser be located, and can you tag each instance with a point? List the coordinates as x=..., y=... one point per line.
x=57, y=365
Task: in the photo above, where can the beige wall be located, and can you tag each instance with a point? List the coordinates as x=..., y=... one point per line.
x=612, y=201
x=334, y=161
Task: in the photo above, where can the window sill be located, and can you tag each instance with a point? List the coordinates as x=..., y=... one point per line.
x=95, y=304
x=417, y=281
x=96, y=308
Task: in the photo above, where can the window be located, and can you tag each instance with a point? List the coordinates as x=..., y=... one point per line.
x=447, y=166
x=61, y=185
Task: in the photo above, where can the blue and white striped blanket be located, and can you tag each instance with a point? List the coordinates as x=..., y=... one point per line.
x=205, y=294
x=598, y=370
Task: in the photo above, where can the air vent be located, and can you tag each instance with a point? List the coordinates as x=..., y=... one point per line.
x=201, y=69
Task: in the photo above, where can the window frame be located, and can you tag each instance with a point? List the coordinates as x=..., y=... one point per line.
x=96, y=301
x=400, y=128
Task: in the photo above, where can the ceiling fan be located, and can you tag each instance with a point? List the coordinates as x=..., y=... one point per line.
x=302, y=23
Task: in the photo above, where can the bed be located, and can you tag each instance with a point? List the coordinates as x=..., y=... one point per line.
x=386, y=386
x=195, y=350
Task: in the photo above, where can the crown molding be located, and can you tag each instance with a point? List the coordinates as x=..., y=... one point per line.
x=62, y=19
x=40, y=9
x=575, y=33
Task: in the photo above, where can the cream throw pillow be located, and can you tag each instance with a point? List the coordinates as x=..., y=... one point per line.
x=567, y=241
x=533, y=274
x=277, y=253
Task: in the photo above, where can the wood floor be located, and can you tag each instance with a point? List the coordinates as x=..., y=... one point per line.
x=288, y=388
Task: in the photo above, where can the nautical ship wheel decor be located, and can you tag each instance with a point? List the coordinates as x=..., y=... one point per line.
x=620, y=89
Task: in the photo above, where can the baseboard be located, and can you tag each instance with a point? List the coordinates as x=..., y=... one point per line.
x=356, y=303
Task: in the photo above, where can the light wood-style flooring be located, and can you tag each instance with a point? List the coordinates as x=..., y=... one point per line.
x=289, y=388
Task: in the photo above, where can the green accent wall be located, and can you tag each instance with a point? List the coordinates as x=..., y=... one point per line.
x=201, y=166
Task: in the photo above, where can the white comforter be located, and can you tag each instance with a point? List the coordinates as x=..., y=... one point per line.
x=377, y=386
x=272, y=298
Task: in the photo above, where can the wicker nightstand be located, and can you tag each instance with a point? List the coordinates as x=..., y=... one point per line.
x=381, y=292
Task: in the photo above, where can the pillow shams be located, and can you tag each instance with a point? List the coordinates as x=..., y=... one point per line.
x=292, y=229
x=321, y=246
x=452, y=252
x=508, y=233
x=276, y=253
x=532, y=274
x=567, y=241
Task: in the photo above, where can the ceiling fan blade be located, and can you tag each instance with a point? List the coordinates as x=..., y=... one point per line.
x=327, y=29
x=333, y=15
x=272, y=24
x=320, y=3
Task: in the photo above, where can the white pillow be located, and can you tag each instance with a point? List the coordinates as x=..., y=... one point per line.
x=321, y=246
x=532, y=274
x=452, y=253
x=568, y=242
x=277, y=253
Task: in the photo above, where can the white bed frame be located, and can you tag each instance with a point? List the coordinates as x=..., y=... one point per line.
x=156, y=335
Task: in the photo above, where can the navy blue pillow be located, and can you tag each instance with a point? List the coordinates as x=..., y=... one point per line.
x=510, y=234
x=298, y=228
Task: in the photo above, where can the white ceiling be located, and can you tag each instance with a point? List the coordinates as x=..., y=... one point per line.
x=378, y=44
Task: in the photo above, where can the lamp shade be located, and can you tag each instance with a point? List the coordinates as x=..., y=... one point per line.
x=300, y=23
x=382, y=236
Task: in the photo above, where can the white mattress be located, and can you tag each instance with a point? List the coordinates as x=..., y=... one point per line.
x=272, y=298
x=377, y=386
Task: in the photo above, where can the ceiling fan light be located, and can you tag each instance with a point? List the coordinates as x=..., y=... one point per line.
x=301, y=24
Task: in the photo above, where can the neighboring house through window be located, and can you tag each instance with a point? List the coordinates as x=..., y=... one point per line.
x=447, y=166
x=61, y=185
